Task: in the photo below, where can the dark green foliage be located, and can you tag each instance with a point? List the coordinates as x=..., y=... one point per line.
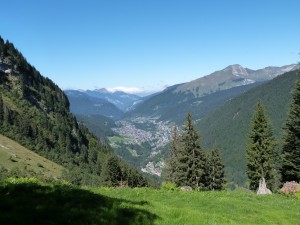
x=116, y=173
x=112, y=173
x=260, y=152
x=191, y=158
x=99, y=125
x=189, y=165
x=290, y=170
x=228, y=126
x=214, y=170
x=33, y=203
x=173, y=156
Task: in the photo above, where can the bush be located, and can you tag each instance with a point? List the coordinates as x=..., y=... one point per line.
x=168, y=186
x=22, y=180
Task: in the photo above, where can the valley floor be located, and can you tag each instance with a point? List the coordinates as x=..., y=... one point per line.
x=33, y=203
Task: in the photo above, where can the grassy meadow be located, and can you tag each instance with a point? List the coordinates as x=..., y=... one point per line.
x=29, y=202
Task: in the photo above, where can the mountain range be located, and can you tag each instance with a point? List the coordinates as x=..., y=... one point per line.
x=141, y=135
x=199, y=96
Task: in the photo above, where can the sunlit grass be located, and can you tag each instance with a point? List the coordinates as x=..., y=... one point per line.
x=177, y=207
x=27, y=201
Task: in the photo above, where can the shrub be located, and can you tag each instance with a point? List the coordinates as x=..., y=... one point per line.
x=168, y=186
x=22, y=180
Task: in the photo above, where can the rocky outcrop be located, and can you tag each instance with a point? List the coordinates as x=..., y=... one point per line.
x=290, y=187
x=263, y=190
x=186, y=188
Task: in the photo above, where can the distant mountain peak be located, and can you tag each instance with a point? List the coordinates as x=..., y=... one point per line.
x=236, y=70
x=232, y=76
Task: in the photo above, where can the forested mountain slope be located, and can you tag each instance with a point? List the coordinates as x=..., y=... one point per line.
x=35, y=112
x=229, y=125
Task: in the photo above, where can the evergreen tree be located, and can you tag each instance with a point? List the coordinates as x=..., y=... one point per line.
x=191, y=158
x=214, y=171
x=1, y=110
x=261, y=150
x=112, y=173
x=172, y=163
x=290, y=170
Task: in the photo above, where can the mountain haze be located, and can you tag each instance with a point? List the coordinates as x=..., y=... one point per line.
x=119, y=98
x=83, y=104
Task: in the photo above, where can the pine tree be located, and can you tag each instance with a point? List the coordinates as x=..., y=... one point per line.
x=290, y=170
x=214, y=171
x=112, y=173
x=1, y=110
x=261, y=150
x=172, y=163
x=191, y=158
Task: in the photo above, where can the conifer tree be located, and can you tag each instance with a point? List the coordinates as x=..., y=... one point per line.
x=214, y=170
x=172, y=163
x=191, y=158
x=1, y=110
x=112, y=172
x=290, y=170
x=260, y=150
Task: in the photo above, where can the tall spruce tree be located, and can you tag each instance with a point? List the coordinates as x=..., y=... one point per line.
x=191, y=157
x=290, y=170
x=172, y=163
x=261, y=150
x=112, y=173
x=214, y=170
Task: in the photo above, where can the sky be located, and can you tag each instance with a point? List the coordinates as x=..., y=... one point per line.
x=147, y=45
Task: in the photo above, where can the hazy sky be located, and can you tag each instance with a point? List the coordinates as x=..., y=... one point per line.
x=149, y=44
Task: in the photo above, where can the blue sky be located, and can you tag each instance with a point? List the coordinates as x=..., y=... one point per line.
x=149, y=44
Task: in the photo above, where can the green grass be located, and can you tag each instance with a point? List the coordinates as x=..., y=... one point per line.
x=177, y=207
x=26, y=201
x=13, y=155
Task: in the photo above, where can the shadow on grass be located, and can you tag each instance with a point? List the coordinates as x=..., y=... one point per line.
x=36, y=204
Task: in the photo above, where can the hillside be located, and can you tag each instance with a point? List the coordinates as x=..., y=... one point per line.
x=84, y=104
x=124, y=101
x=172, y=106
x=229, y=125
x=232, y=76
x=204, y=94
x=15, y=157
x=35, y=113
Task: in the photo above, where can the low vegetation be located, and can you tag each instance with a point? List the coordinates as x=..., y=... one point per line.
x=23, y=162
x=27, y=201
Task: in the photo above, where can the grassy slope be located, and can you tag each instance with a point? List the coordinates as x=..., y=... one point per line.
x=13, y=155
x=211, y=207
x=32, y=203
